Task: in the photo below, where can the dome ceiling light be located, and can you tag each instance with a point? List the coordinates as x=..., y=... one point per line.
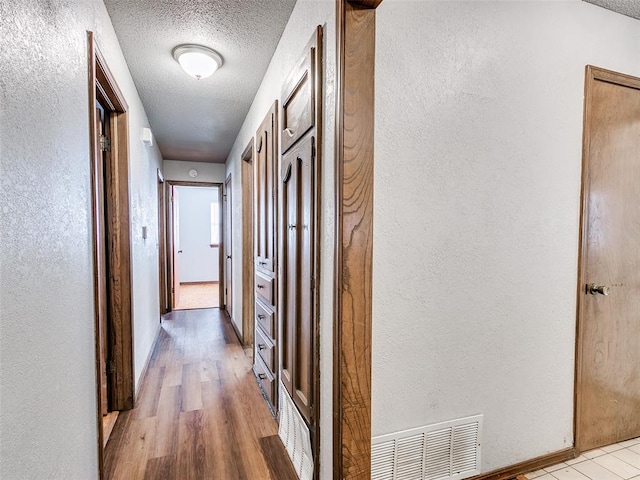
x=197, y=60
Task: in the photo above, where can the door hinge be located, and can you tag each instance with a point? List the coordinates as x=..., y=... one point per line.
x=111, y=367
x=105, y=143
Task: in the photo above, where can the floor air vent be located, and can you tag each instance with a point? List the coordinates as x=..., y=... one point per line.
x=444, y=451
x=294, y=433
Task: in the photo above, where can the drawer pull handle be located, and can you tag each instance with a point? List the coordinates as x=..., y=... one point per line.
x=262, y=263
x=262, y=376
x=289, y=132
x=261, y=346
x=260, y=287
x=260, y=316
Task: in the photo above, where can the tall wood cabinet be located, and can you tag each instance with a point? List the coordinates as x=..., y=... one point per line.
x=266, y=285
x=299, y=185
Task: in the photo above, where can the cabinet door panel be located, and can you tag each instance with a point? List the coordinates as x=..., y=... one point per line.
x=289, y=268
x=297, y=309
x=304, y=330
x=298, y=102
x=265, y=188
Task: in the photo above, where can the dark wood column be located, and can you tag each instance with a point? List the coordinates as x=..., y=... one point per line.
x=354, y=239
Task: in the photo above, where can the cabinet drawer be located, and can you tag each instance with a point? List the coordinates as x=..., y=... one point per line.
x=266, y=380
x=266, y=319
x=264, y=287
x=264, y=348
x=298, y=113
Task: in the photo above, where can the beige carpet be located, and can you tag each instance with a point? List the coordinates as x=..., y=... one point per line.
x=201, y=295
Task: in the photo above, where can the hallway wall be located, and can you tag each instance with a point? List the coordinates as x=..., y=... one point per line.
x=207, y=172
x=479, y=109
x=306, y=16
x=47, y=360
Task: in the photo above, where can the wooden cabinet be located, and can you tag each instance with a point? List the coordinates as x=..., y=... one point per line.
x=298, y=239
x=299, y=201
x=298, y=101
x=265, y=193
x=265, y=220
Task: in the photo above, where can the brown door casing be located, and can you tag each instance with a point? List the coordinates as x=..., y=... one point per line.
x=248, y=299
x=175, y=247
x=608, y=335
x=228, y=247
x=162, y=264
x=111, y=239
x=354, y=239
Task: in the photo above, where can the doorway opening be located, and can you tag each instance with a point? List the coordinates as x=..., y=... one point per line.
x=195, y=245
x=108, y=119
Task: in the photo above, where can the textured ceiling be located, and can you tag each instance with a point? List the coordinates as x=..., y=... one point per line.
x=198, y=120
x=630, y=8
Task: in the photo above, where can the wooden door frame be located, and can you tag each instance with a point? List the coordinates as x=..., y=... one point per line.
x=592, y=74
x=169, y=235
x=248, y=264
x=102, y=85
x=355, y=57
x=227, y=207
x=162, y=236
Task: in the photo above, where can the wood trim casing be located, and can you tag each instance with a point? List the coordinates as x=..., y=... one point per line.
x=248, y=299
x=226, y=198
x=592, y=74
x=97, y=343
x=354, y=239
x=162, y=244
x=169, y=233
x=102, y=85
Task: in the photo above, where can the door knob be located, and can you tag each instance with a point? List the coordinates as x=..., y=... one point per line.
x=594, y=289
x=228, y=256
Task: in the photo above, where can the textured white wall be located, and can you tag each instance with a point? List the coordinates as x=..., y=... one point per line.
x=47, y=359
x=477, y=180
x=198, y=261
x=306, y=15
x=207, y=172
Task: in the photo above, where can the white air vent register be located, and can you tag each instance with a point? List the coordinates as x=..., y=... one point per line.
x=444, y=451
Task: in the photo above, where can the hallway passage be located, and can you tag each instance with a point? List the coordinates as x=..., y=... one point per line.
x=200, y=413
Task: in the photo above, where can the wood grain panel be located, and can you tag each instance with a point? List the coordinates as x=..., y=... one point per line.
x=248, y=297
x=608, y=350
x=354, y=240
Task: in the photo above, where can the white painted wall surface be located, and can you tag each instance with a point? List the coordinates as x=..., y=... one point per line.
x=199, y=262
x=477, y=185
x=306, y=16
x=207, y=172
x=47, y=359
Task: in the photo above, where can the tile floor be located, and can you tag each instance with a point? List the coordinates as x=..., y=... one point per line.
x=613, y=462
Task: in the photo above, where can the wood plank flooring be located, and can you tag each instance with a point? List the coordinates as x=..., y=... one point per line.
x=200, y=414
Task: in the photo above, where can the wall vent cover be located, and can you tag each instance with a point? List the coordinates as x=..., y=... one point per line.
x=294, y=433
x=443, y=451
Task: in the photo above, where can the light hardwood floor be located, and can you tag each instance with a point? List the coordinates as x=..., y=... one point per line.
x=200, y=414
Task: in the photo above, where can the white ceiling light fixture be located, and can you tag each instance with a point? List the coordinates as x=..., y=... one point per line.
x=197, y=60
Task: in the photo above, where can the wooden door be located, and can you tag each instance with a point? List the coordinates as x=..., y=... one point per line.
x=608, y=368
x=298, y=325
x=228, y=247
x=175, y=248
x=101, y=260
